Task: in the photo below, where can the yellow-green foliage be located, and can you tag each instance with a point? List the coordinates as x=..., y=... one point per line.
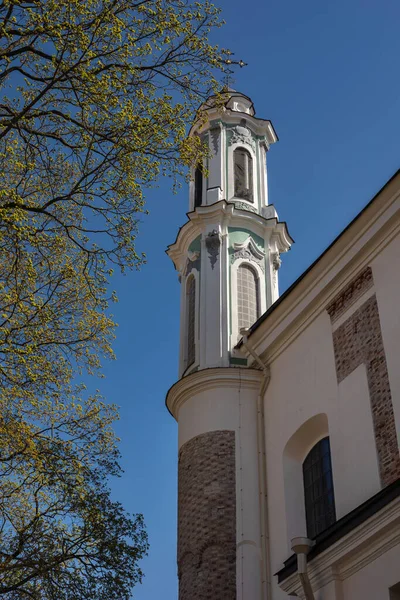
x=95, y=99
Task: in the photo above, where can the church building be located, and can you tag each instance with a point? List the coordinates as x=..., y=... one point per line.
x=288, y=406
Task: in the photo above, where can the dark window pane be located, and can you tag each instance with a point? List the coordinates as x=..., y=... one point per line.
x=198, y=187
x=318, y=488
x=243, y=173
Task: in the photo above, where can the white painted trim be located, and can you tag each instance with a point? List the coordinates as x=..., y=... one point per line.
x=225, y=312
x=261, y=127
x=235, y=336
x=263, y=176
x=225, y=214
x=211, y=379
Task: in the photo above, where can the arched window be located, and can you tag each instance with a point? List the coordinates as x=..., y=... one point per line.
x=198, y=186
x=318, y=488
x=243, y=172
x=248, y=304
x=191, y=320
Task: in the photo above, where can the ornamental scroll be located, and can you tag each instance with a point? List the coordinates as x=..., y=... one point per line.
x=242, y=135
x=249, y=251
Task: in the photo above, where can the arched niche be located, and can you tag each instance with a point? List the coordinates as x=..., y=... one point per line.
x=296, y=449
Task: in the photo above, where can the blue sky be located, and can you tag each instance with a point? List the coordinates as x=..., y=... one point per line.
x=327, y=75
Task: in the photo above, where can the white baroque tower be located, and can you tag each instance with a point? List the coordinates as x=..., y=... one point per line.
x=227, y=255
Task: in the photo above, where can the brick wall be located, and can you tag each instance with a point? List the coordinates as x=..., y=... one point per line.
x=207, y=517
x=358, y=340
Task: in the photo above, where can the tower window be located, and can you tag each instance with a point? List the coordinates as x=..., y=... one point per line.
x=248, y=304
x=243, y=172
x=198, y=186
x=318, y=488
x=191, y=319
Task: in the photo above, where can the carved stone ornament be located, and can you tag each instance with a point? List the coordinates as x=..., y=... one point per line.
x=276, y=260
x=242, y=135
x=195, y=264
x=276, y=263
x=213, y=242
x=192, y=256
x=244, y=206
x=249, y=251
x=215, y=133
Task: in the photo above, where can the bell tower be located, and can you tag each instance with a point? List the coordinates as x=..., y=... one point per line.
x=227, y=255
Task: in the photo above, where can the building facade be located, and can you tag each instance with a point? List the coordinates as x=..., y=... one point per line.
x=288, y=407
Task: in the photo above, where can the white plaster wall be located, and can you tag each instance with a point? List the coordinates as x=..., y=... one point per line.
x=373, y=582
x=303, y=385
x=234, y=408
x=386, y=273
x=356, y=461
x=333, y=591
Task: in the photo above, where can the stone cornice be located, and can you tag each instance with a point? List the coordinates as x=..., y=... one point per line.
x=260, y=127
x=352, y=552
x=206, y=379
x=226, y=214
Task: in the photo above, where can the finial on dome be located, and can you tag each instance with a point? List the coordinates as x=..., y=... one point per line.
x=228, y=78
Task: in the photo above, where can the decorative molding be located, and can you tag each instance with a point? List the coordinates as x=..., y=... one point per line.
x=353, y=552
x=224, y=212
x=244, y=206
x=348, y=295
x=260, y=127
x=242, y=135
x=249, y=251
x=192, y=256
x=276, y=261
x=210, y=379
x=195, y=264
x=276, y=264
x=213, y=242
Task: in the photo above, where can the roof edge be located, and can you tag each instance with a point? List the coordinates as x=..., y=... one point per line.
x=287, y=292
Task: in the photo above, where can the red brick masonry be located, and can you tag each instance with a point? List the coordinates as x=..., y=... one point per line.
x=207, y=517
x=354, y=290
x=359, y=341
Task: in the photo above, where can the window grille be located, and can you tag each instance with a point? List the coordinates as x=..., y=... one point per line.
x=318, y=488
x=243, y=172
x=191, y=319
x=247, y=296
x=198, y=187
